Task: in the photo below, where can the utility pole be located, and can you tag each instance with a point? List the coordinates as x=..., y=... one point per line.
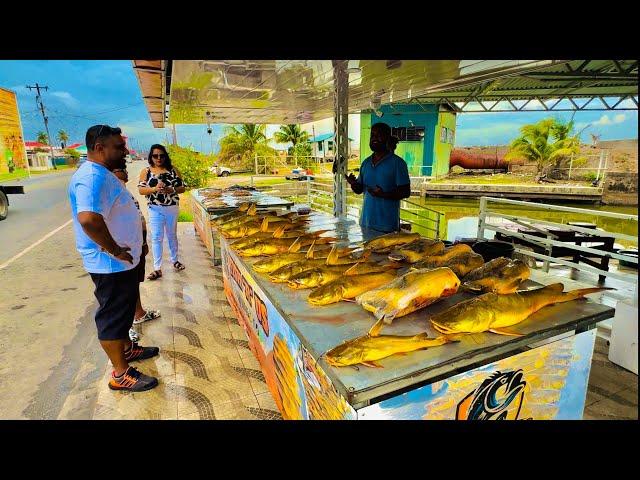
x=40, y=104
x=175, y=135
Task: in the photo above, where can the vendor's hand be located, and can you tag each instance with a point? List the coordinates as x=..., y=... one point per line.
x=375, y=192
x=123, y=254
x=351, y=179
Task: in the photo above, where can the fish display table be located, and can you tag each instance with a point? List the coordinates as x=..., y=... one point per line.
x=540, y=375
x=227, y=202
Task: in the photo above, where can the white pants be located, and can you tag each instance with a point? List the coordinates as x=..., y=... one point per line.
x=163, y=219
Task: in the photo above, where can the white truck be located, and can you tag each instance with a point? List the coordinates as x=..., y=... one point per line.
x=220, y=171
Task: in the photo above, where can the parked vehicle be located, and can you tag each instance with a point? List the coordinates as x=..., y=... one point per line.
x=220, y=171
x=4, y=200
x=300, y=174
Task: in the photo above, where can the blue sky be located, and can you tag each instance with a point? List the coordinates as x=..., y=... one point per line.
x=83, y=93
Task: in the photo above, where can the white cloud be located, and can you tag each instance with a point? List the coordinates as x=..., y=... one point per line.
x=66, y=98
x=605, y=120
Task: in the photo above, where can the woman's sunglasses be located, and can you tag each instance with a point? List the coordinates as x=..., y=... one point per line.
x=158, y=155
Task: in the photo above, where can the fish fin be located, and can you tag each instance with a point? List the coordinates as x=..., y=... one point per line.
x=471, y=287
x=253, y=208
x=506, y=331
x=309, y=254
x=389, y=316
x=377, y=327
x=265, y=225
x=349, y=300
x=348, y=270
x=332, y=258
x=279, y=231
x=295, y=246
x=372, y=363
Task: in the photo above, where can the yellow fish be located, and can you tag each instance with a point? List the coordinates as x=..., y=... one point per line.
x=500, y=275
x=385, y=243
x=410, y=292
x=463, y=264
x=372, y=347
x=349, y=287
x=442, y=259
x=496, y=313
x=417, y=250
x=318, y=276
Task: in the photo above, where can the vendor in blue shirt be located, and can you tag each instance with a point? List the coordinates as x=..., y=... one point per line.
x=384, y=179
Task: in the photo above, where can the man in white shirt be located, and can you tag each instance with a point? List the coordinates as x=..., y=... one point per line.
x=108, y=234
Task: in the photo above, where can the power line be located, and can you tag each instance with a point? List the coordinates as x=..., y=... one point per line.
x=40, y=104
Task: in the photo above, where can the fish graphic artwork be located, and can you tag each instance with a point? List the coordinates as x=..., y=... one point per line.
x=499, y=397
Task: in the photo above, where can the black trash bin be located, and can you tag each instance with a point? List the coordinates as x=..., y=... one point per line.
x=490, y=249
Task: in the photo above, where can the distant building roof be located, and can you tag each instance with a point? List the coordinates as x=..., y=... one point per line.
x=75, y=145
x=323, y=137
x=35, y=145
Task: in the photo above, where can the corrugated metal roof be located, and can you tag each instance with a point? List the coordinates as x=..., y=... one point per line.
x=301, y=91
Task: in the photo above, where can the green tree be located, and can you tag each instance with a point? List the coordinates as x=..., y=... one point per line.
x=240, y=144
x=42, y=138
x=547, y=143
x=63, y=138
x=193, y=166
x=291, y=133
x=73, y=155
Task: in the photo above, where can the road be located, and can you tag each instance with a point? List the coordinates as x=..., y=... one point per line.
x=42, y=209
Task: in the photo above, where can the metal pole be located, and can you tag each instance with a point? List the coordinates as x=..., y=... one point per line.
x=341, y=135
x=255, y=159
x=309, y=191
x=570, y=166
x=600, y=163
x=481, y=217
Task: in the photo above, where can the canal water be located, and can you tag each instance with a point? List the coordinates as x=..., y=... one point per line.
x=460, y=217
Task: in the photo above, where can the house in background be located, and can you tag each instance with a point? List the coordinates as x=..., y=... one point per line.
x=323, y=146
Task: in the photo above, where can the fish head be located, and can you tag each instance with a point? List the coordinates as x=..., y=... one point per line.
x=444, y=278
x=345, y=354
x=326, y=294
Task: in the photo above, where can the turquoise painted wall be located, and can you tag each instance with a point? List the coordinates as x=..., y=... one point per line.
x=418, y=155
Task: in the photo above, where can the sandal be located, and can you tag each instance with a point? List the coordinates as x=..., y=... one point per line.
x=178, y=266
x=154, y=275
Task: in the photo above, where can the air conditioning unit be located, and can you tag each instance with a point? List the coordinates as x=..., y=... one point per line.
x=623, y=346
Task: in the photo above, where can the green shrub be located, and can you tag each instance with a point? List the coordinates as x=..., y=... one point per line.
x=193, y=166
x=590, y=176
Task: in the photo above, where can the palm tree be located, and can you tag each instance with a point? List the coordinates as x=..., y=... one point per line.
x=63, y=138
x=547, y=143
x=42, y=138
x=242, y=142
x=291, y=133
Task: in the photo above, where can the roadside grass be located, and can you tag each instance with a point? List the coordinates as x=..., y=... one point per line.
x=185, y=214
x=22, y=173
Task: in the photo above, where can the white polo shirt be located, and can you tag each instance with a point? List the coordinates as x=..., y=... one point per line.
x=93, y=188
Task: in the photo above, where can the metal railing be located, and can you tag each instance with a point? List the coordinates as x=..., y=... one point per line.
x=550, y=240
x=319, y=196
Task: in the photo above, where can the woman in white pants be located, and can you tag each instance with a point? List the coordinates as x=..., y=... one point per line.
x=161, y=183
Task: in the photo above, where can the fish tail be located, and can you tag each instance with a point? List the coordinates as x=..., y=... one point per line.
x=581, y=292
x=332, y=258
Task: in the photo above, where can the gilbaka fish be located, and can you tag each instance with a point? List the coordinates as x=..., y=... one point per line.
x=441, y=260
x=496, y=313
x=500, y=275
x=463, y=264
x=318, y=276
x=413, y=291
x=385, y=243
x=417, y=250
x=349, y=287
x=373, y=346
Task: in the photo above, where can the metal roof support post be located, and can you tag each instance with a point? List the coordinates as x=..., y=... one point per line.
x=341, y=135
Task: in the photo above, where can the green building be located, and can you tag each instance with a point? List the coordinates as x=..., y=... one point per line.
x=426, y=136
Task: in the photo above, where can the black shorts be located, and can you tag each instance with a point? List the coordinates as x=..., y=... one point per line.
x=140, y=268
x=117, y=294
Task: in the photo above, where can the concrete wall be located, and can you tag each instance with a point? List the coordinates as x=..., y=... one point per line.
x=621, y=188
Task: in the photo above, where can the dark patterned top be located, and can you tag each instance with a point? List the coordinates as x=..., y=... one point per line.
x=168, y=178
